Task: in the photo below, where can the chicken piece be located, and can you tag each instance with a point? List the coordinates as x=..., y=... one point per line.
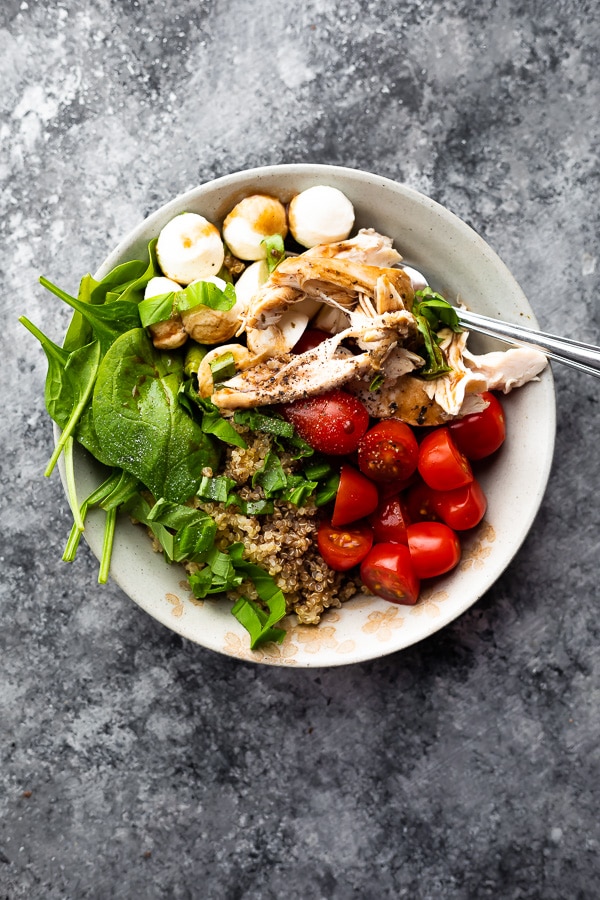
x=325, y=367
x=508, y=369
x=450, y=390
x=402, y=398
x=500, y=370
x=334, y=281
x=367, y=247
x=400, y=395
x=277, y=340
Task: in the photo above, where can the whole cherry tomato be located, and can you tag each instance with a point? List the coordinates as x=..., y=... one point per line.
x=387, y=570
x=332, y=423
x=388, y=451
x=389, y=520
x=462, y=508
x=480, y=434
x=311, y=338
x=441, y=464
x=344, y=548
x=356, y=497
x=434, y=548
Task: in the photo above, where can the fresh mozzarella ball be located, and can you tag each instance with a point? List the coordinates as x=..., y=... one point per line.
x=320, y=215
x=213, y=279
x=250, y=281
x=251, y=221
x=189, y=248
x=331, y=319
x=277, y=339
x=160, y=285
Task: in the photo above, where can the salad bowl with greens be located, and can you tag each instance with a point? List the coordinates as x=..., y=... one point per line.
x=135, y=439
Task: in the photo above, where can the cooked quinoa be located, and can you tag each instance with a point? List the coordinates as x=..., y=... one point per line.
x=283, y=543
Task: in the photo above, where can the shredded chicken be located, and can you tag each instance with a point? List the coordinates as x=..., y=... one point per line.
x=329, y=280
x=367, y=300
x=508, y=369
x=368, y=247
x=327, y=366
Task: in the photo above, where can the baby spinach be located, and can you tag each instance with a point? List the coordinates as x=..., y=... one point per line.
x=69, y=383
x=140, y=424
x=107, y=321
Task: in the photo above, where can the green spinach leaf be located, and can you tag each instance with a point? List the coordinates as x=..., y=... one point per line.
x=140, y=424
x=69, y=383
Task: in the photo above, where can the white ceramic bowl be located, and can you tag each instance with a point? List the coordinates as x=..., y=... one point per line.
x=458, y=263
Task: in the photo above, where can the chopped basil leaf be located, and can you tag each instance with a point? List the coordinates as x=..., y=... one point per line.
x=268, y=592
x=433, y=312
x=205, y=293
x=199, y=293
x=260, y=421
x=270, y=476
x=317, y=469
x=223, y=367
x=194, y=530
x=275, y=251
x=327, y=491
x=157, y=309
x=194, y=355
x=215, y=488
x=376, y=382
x=254, y=620
x=253, y=507
x=436, y=310
x=298, y=490
x=213, y=422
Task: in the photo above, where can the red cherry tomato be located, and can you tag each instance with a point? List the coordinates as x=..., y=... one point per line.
x=462, y=508
x=441, y=464
x=480, y=434
x=420, y=503
x=387, y=570
x=311, y=338
x=434, y=548
x=332, y=423
x=344, y=548
x=389, y=520
x=388, y=451
x=356, y=497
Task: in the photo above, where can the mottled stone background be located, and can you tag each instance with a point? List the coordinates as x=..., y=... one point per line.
x=136, y=765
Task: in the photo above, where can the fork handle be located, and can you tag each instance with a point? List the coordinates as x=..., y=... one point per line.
x=584, y=357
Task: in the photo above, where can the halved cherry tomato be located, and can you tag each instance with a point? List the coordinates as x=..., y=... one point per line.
x=480, y=434
x=434, y=548
x=311, y=338
x=441, y=464
x=388, y=451
x=331, y=423
x=344, y=548
x=387, y=570
x=462, y=508
x=420, y=503
x=389, y=520
x=356, y=497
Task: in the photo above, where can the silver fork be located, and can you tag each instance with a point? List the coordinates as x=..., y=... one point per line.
x=576, y=354
x=584, y=357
